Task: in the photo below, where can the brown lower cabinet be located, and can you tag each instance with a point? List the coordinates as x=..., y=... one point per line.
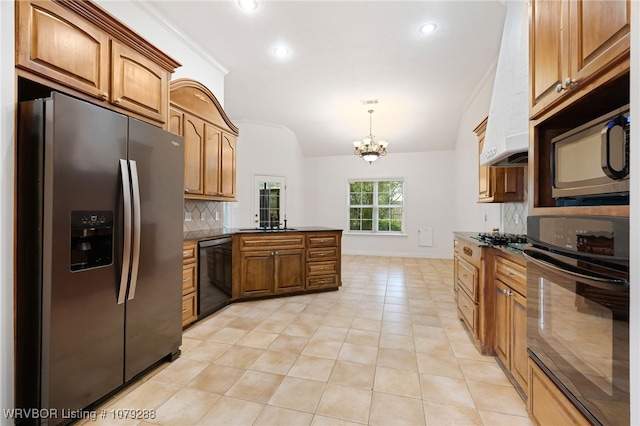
x=546, y=404
x=189, y=282
x=266, y=272
x=511, y=317
x=279, y=263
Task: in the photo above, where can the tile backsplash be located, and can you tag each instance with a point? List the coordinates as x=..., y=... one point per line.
x=514, y=217
x=203, y=215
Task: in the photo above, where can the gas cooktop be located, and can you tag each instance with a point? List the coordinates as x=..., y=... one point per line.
x=499, y=239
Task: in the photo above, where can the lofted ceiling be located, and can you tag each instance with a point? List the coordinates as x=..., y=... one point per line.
x=344, y=52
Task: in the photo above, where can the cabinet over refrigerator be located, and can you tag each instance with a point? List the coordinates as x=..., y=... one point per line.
x=99, y=253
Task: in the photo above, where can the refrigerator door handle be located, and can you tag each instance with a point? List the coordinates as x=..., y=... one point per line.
x=135, y=185
x=126, y=250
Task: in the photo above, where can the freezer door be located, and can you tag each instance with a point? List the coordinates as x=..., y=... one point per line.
x=154, y=305
x=83, y=341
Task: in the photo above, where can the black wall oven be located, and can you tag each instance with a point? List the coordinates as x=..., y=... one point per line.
x=578, y=310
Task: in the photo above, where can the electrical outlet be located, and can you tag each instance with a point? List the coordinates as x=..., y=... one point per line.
x=217, y=216
x=187, y=216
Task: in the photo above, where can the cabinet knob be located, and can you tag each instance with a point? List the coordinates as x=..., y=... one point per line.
x=117, y=101
x=565, y=84
x=104, y=96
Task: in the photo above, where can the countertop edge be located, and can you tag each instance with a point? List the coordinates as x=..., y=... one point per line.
x=209, y=234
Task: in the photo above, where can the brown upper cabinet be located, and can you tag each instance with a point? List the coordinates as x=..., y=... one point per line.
x=497, y=184
x=574, y=47
x=209, y=140
x=75, y=46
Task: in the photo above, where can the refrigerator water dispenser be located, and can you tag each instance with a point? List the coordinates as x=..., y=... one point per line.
x=91, y=239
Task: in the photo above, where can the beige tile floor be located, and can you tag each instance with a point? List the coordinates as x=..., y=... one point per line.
x=386, y=349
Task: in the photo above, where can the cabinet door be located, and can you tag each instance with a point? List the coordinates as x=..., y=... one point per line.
x=54, y=43
x=138, y=84
x=503, y=322
x=256, y=273
x=193, y=145
x=548, y=51
x=211, y=160
x=289, y=270
x=519, y=357
x=228, y=166
x=601, y=31
x=484, y=177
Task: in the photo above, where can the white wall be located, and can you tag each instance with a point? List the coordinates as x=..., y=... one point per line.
x=470, y=215
x=272, y=150
x=195, y=63
x=7, y=149
x=429, y=200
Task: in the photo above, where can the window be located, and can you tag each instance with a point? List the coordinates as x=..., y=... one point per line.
x=376, y=206
x=270, y=201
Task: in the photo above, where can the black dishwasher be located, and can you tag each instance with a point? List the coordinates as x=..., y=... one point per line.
x=214, y=275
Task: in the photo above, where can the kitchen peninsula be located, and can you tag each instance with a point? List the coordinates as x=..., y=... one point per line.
x=263, y=263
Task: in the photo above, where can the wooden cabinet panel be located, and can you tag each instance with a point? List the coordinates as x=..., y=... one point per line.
x=138, y=84
x=602, y=35
x=227, y=174
x=575, y=46
x=193, y=147
x=77, y=47
x=519, y=357
x=189, y=282
x=511, y=319
x=503, y=323
x=547, y=405
x=468, y=278
x=322, y=281
x=215, y=167
x=189, y=278
x=548, y=50
x=497, y=184
x=289, y=270
x=468, y=311
x=211, y=159
x=322, y=254
x=54, y=43
x=322, y=240
x=256, y=273
x=189, y=309
x=271, y=241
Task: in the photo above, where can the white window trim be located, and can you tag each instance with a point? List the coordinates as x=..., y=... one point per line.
x=375, y=231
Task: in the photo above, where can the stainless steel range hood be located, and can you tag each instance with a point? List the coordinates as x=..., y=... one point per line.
x=507, y=137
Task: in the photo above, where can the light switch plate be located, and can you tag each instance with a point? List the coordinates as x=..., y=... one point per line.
x=187, y=216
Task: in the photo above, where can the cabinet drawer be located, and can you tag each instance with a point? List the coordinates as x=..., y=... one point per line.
x=322, y=240
x=468, y=278
x=189, y=278
x=322, y=281
x=512, y=274
x=468, y=310
x=266, y=242
x=321, y=268
x=189, y=249
x=322, y=254
x=188, y=309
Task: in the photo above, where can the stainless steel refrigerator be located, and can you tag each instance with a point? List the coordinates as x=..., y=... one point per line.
x=99, y=253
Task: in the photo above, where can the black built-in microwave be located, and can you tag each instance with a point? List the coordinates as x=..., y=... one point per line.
x=590, y=164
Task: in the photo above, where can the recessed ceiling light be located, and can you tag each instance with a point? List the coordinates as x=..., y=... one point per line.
x=281, y=51
x=248, y=4
x=428, y=28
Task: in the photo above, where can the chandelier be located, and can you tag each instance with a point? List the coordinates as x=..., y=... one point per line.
x=368, y=149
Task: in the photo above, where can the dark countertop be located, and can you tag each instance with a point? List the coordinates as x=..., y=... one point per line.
x=209, y=234
x=509, y=250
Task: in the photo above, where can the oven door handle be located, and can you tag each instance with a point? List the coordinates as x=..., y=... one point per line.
x=573, y=272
